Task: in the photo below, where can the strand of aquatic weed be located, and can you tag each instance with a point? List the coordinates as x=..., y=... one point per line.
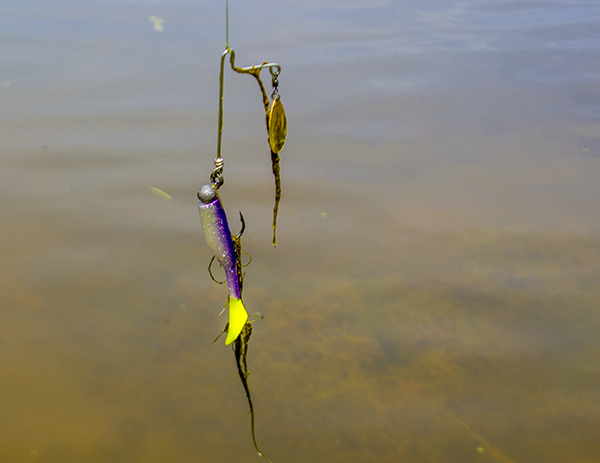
x=275, y=162
x=240, y=347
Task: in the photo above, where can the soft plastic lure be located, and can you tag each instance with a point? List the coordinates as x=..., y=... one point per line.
x=218, y=238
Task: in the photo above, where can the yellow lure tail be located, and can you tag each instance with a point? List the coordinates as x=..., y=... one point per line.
x=237, y=319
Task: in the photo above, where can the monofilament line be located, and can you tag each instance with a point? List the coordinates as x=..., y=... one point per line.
x=227, y=24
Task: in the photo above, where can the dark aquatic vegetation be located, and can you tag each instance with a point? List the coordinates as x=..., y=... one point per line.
x=240, y=348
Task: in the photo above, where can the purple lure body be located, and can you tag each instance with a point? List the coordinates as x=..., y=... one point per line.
x=218, y=237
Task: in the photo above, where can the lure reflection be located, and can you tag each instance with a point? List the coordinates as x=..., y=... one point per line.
x=218, y=238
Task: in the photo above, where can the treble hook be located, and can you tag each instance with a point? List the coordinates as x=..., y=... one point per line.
x=236, y=239
x=239, y=235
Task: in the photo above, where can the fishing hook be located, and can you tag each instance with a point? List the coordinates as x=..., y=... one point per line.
x=236, y=238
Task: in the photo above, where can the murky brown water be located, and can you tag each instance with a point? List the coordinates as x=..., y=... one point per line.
x=435, y=292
